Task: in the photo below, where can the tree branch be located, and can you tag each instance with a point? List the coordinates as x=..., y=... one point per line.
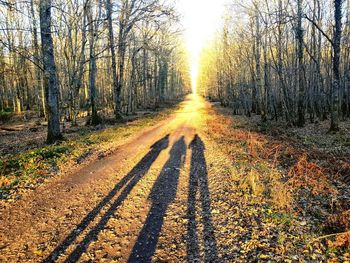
x=319, y=29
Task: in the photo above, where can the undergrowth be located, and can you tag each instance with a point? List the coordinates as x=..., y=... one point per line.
x=285, y=177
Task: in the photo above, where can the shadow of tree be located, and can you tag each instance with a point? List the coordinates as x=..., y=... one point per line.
x=127, y=184
x=162, y=194
x=199, y=182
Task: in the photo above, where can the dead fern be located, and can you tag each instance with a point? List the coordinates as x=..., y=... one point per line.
x=342, y=241
x=305, y=174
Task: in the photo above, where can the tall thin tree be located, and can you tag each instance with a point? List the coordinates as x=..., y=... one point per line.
x=116, y=91
x=50, y=74
x=300, y=51
x=336, y=62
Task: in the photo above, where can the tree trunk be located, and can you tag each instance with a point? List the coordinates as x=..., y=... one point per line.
x=336, y=61
x=95, y=119
x=50, y=74
x=264, y=94
x=40, y=93
x=258, y=79
x=121, y=69
x=117, y=101
x=300, y=81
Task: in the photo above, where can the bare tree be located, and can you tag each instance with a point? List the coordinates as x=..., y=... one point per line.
x=336, y=61
x=68, y=69
x=95, y=119
x=296, y=69
x=50, y=74
x=116, y=90
x=300, y=51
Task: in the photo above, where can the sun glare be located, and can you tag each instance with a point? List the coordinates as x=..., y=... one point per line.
x=201, y=20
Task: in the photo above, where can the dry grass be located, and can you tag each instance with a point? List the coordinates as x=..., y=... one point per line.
x=255, y=144
x=269, y=166
x=254, y=172
x=281, y=197
x=251, y=182
x=290, y=175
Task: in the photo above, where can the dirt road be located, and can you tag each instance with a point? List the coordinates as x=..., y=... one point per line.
x=117, y=208
x=184, y=190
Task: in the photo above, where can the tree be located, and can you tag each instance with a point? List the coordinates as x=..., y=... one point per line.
x=295, y=70
x=300, y=81
x=50, y=74
x=95, y=119
x=85, y=41
x=336, y=61
x=38, y=85
x=116, y=90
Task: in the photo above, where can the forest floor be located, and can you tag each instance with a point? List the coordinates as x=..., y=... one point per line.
x=191, y=184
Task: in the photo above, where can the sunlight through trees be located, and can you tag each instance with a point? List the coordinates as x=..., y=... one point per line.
x=281, y=59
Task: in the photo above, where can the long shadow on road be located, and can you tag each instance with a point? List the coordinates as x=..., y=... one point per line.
x=128, y=182
x=162, y=194
x=199, y=182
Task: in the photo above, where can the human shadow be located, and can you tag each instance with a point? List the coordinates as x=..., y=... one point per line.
x=198, y=181
x=162, y=194
x=127, y=184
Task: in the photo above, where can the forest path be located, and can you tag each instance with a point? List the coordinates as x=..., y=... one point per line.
x=196, y=187
x=122, y=200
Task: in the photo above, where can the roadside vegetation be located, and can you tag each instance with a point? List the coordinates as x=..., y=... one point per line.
x=287, y=180
x=24, y=170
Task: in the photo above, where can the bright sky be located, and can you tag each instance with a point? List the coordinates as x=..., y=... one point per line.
x=201, y=20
